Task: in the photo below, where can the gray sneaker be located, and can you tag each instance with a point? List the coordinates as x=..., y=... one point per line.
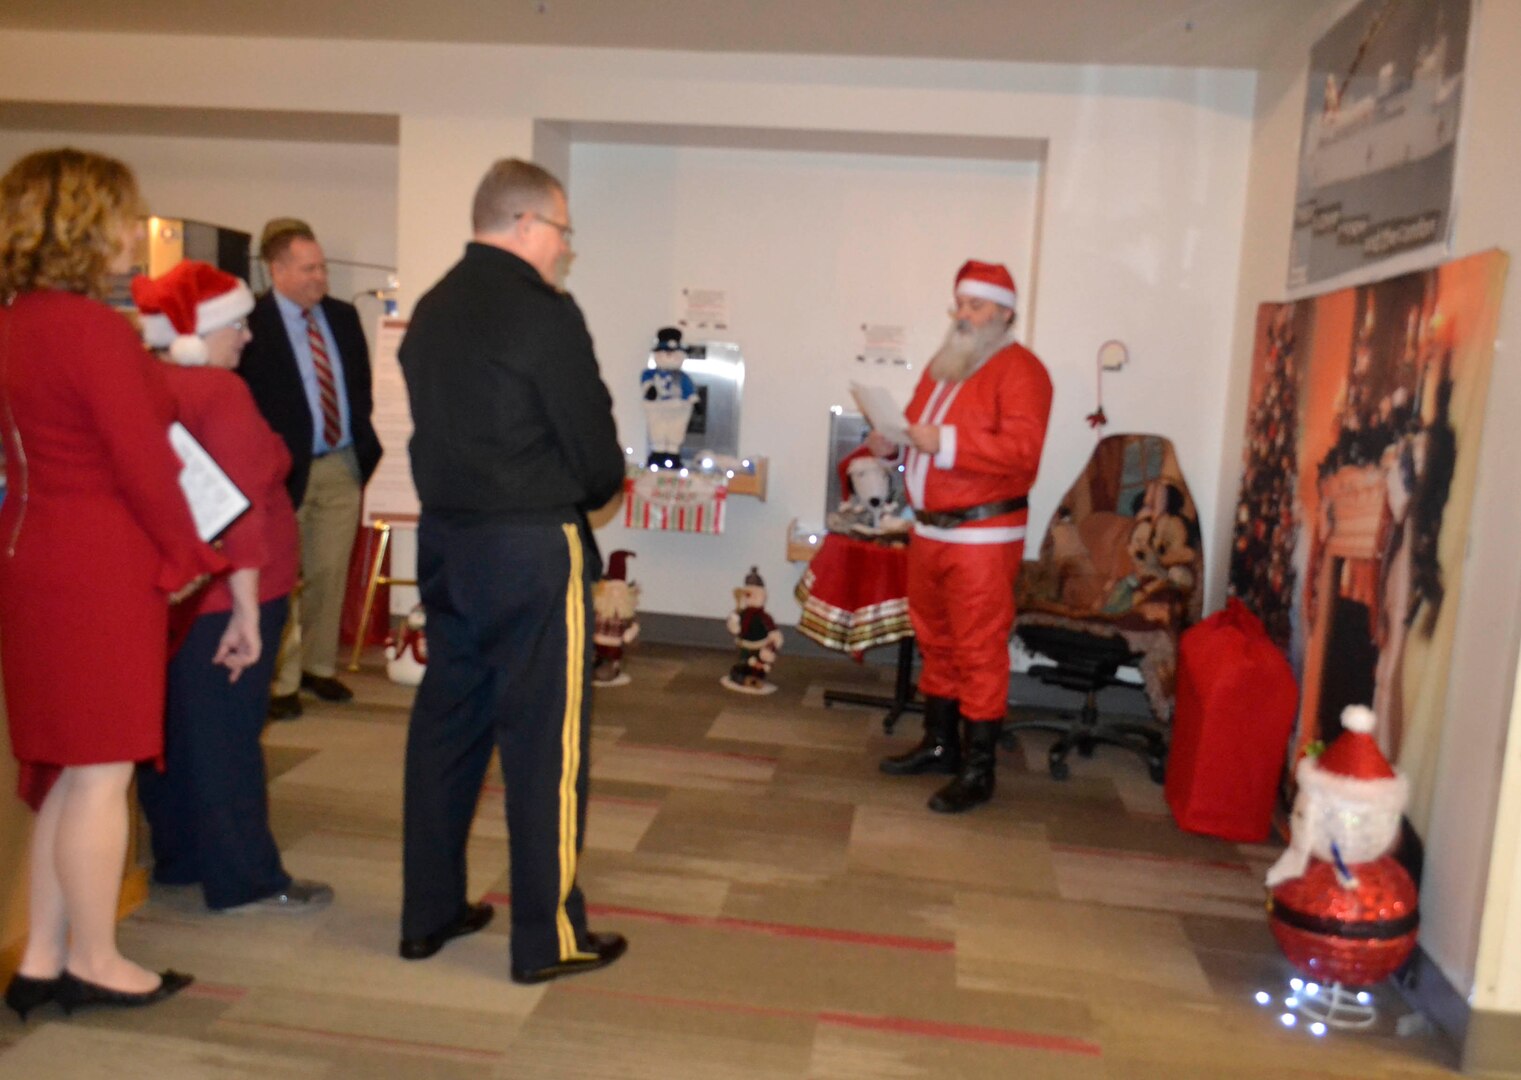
x=296, y=898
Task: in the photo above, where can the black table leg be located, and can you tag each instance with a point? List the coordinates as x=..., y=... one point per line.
x=902, y=700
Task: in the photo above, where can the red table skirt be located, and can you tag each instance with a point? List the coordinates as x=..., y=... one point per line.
x=855, y=594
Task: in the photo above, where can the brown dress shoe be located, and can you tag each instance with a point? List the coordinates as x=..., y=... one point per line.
x=284, y=707
x=326, y=687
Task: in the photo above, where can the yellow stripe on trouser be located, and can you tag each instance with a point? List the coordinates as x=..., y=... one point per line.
x=570, y=739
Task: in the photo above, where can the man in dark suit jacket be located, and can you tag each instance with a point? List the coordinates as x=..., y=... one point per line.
x=308, y=367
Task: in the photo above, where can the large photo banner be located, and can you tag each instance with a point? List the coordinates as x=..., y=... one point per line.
x=1380, y=137
x=1362, y=438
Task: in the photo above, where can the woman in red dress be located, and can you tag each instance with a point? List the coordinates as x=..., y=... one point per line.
x=96, y=539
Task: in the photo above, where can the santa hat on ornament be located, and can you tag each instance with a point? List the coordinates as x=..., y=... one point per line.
x=617, y=566
x=986, y=281
x=847, y=489
x=1354, y=769
x=179, y=308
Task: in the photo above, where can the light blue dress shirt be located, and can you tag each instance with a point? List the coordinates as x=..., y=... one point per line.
x=295, y=329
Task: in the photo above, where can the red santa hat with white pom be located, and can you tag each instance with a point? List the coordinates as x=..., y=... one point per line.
x=986, y=281
x=180, y=307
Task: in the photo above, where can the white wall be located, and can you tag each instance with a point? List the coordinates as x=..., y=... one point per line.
x=1139, y=239
x=808, y=246
x=346, y=191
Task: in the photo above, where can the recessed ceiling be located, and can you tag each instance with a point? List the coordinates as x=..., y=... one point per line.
x=1188, y=33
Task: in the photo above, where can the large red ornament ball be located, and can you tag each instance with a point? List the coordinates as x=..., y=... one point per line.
x=1357, y=937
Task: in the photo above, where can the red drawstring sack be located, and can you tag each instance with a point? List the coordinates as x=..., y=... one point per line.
x=1235, y=710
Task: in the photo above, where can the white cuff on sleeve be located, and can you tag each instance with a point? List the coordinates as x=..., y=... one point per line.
x=946, y=457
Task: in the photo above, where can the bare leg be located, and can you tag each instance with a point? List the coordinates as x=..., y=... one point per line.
x=91, y=850
x=48, y=926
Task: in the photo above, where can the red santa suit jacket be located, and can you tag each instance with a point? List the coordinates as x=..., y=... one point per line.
x=992, y=429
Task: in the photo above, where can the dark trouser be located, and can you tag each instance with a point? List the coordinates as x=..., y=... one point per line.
x=509, y=662
x=209, y=809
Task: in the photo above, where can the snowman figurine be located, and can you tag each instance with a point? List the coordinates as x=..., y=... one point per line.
x=755, y=635
x=407, y=652
x=669, y=396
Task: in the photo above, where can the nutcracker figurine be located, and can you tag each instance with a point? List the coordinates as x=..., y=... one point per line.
x=615, y=602
x=669, y=396
x=1343, y=910
x=757, y=637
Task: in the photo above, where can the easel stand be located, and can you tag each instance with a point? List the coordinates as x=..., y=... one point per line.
x=902, y=700
x=380, y=530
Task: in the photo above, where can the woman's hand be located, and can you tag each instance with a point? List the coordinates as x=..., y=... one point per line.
x=240, y=646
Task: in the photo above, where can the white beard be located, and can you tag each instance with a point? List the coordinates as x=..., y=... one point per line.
x=965, y=348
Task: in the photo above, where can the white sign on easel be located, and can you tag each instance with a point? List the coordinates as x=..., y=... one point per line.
x=390, y=494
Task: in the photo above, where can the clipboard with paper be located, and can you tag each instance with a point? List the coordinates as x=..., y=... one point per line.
x=881, y=411
x=215, y=501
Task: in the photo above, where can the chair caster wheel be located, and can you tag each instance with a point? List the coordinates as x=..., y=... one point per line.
x=1060, y=770
x=1158, y=770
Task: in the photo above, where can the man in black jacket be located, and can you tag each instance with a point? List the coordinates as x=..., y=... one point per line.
x=308, y=367
x=513, y=444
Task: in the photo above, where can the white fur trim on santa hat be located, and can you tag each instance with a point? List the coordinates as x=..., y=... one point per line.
x=158, y=331
x=216, y=312
x=1388, y=793
x=986, y=290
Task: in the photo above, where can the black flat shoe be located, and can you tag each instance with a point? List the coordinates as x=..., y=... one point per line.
x=76, y=993
x=608, y=947
x=26, y=993
x=473, y=918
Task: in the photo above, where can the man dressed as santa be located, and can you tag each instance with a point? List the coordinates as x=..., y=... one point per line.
x=976, y=427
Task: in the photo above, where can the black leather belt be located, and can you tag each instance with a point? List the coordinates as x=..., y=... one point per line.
x=950, y=519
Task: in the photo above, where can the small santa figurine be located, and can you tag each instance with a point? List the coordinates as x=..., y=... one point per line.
x=1342, y=908
x=615, y=602
x=407, y=650
x=757, y=637
x=669, y=396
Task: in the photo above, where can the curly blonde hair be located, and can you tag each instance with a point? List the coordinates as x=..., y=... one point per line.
x=62, y=215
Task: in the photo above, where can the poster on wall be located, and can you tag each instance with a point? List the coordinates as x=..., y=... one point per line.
x=1362, y=442
x=1380, y=136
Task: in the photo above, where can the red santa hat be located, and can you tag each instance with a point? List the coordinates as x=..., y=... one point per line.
x=986, y=281
x=1353, y=767
x=617, y=566
x=847, y=489
x=179, y=308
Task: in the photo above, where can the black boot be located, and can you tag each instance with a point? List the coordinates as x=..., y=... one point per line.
x=973, y=785
x=940, y=749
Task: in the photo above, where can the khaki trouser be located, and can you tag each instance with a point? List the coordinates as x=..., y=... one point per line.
x=329, y=519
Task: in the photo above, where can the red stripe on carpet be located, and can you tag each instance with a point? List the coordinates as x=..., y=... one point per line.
x=214, y=990
x=322, y=1035
x=754, y=926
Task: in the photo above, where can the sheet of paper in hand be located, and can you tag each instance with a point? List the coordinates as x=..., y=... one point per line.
x=881, y=411
x=215, y=501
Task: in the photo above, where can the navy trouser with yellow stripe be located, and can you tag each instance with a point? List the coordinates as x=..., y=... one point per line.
x=509, y=662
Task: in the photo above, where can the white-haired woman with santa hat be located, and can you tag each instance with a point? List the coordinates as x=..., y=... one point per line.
x=208, y=808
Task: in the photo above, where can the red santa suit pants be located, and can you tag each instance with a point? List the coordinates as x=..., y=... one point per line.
x=961, y=602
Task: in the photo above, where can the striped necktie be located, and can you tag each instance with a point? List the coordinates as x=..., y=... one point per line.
x=327, y=386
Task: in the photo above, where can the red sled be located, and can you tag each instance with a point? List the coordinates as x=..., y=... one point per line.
x=1235, y=710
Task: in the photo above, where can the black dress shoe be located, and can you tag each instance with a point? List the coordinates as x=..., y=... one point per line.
x=284, y=707
x=607, y=947
x=26, y=993
x=326, y=687
x=76, y=993
x=474, y=917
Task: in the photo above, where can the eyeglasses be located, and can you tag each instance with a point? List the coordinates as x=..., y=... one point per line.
x=565, y=230
x=238, y=324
